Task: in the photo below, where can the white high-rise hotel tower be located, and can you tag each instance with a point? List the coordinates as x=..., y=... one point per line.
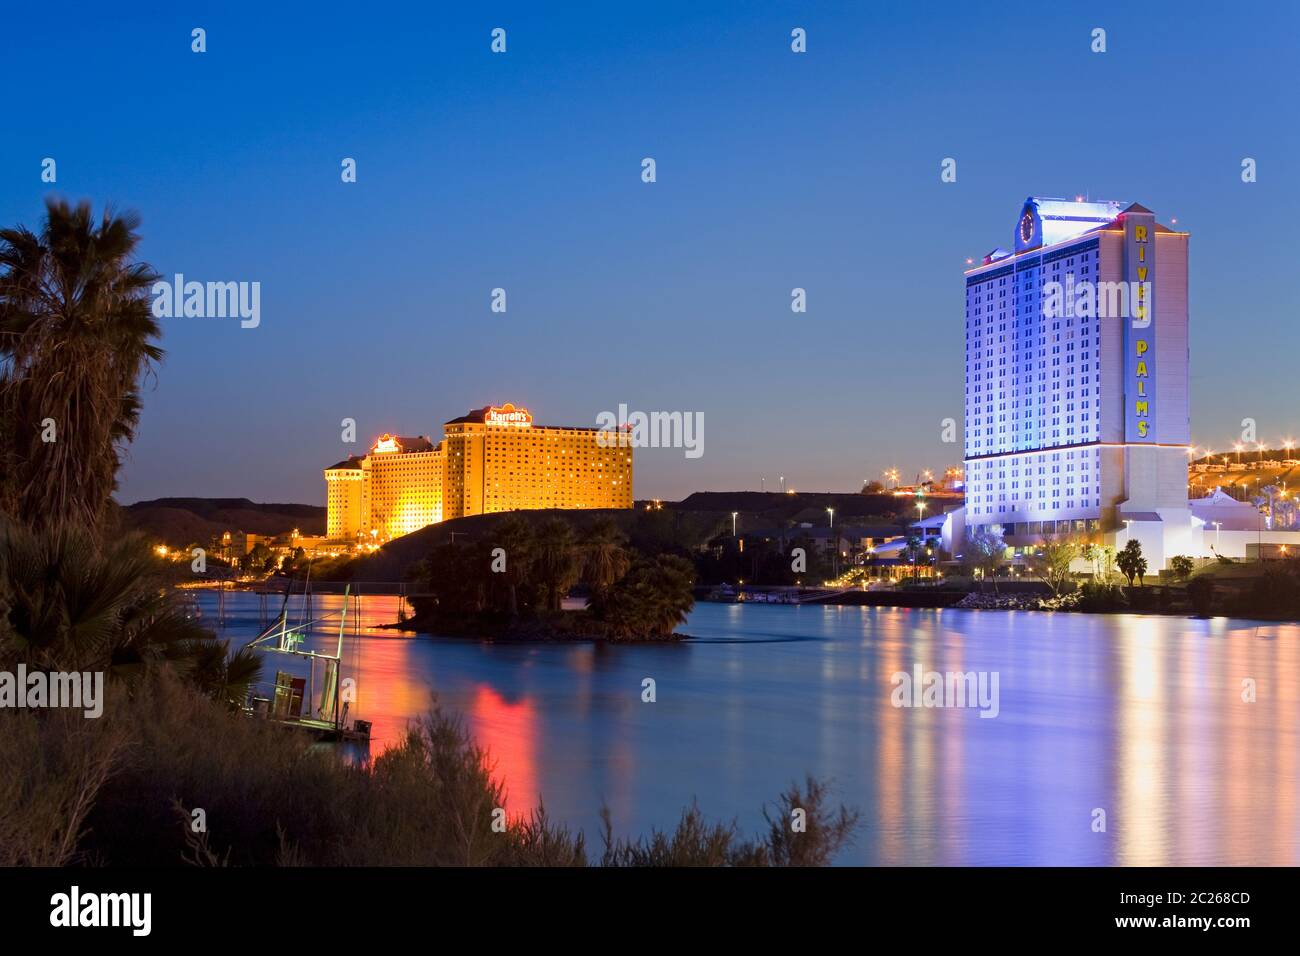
x=1079, y=422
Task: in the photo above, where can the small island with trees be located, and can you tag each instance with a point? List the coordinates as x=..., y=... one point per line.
x=511, y=584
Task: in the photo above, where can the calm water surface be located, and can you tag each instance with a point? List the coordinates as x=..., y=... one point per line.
x=1140, y=716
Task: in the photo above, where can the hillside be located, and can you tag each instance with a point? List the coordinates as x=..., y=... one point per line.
x=182, y=521
x=680, y=526
x=650, y=531
x=1243, y=475
x=775, y=507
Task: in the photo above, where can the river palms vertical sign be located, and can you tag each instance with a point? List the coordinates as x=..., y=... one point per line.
x=1140, y=326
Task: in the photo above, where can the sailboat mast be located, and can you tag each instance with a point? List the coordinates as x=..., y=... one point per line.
x=338, y=654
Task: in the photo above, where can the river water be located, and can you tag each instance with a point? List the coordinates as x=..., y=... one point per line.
x=1141, y=718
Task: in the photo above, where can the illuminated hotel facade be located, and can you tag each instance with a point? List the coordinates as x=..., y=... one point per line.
x=1075, y=422
x=493, y=459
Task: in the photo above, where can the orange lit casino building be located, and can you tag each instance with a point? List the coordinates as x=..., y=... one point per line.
x=493, y=459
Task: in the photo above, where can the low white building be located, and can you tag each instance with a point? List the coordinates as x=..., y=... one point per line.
x=1215, y=525
x=1236, y=529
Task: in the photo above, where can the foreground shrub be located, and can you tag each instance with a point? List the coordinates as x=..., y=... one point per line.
x=696, y=842
x=123, y=791
x=56, y=765
x=1097, y=597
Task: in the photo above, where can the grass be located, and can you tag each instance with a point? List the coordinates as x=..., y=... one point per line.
x=123, y=791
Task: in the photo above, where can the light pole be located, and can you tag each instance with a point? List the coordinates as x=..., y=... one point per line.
x=1218, y=526
x=835, y=560
x=733, y=523
x=783, y=484
x=762, y=485
x=920, y=516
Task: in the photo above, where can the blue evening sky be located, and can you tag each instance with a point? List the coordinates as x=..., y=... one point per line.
x=522, y=171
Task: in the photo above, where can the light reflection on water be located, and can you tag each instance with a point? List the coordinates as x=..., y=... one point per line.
x=1139, y=716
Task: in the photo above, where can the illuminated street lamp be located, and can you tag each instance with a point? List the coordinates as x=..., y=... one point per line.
x=836, y=561
x=733, y=523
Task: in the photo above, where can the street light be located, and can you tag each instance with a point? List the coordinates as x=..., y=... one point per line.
x=1218, y=526
x=836, y=560
x=733, y=523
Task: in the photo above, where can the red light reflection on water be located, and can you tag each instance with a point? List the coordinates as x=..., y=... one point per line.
x=509, y=733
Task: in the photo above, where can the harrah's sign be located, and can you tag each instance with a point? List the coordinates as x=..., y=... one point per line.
x=507, y=414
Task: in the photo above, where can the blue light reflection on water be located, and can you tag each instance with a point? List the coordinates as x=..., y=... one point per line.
x=1139, y=716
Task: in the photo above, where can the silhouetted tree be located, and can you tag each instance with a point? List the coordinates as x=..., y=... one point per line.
x=557, y=562
x=77, y=336
x=1131, y=563
x=605, y=557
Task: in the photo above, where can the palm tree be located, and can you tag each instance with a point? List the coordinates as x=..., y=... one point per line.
x=1131, y=562
x=1265, y=501
x=224, y=676
x=673, y=596
x=77, y=337
x=605, y=555
x=556, y=560
x=73, y=605
x=651, y=599
x=514, y=535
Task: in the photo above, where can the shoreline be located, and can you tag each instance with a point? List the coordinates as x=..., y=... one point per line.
x=956, y=606
x=533, y=631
